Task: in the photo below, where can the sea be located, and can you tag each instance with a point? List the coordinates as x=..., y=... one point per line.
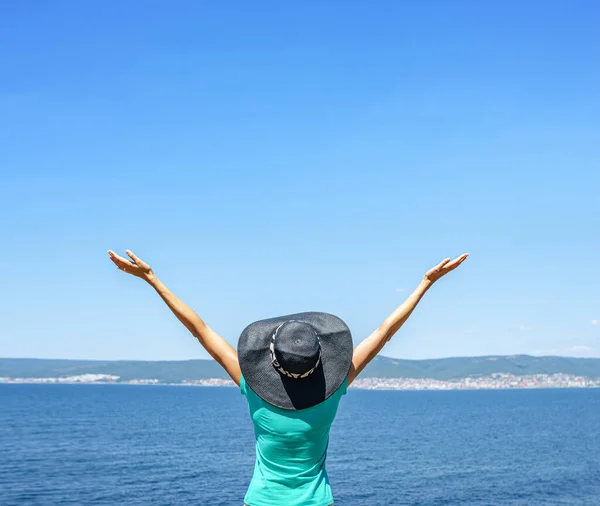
x=136, y=445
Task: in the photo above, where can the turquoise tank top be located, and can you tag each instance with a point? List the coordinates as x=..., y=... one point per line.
x=291, y=447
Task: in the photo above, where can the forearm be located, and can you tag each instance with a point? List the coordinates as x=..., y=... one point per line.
x=182, y=311
x=396, y=319
x=370, y=347
x=212, y=342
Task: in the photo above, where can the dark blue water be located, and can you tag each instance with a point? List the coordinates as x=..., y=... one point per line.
x=155, y=445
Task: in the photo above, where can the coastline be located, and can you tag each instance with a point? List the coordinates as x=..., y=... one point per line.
x=497, y=381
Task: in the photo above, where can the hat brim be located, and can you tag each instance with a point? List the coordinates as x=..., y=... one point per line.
x=293, y=394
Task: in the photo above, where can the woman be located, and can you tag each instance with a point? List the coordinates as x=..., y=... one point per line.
x=293, y=371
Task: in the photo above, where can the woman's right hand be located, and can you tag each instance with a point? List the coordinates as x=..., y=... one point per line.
x=443, y=268
x=135, y=266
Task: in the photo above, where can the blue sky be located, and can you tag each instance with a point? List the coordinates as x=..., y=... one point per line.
x=269, y=158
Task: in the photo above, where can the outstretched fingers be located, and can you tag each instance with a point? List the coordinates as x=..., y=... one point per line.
x=138, y=261
x=135, y=259
x=120, y=262
x=441, y=266
x=444, y=267
x=456, y=262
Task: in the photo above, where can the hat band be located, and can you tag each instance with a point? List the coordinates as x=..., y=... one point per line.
x=281, y=369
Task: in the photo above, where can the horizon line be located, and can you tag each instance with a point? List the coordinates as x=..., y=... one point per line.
x=514, y=355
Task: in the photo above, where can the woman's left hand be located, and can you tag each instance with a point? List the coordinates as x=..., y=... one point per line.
x=135, y=266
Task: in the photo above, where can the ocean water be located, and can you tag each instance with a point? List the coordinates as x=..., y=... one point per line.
x=168, y=445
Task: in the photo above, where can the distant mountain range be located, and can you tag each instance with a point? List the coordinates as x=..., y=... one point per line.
x=380, y=367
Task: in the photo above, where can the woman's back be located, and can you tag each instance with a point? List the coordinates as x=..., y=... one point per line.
x=291, y=447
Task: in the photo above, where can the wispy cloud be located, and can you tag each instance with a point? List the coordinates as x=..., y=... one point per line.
x=552, y=351
x=578, y=350
x=595, y=322
x=525, y=328
x=468, y=331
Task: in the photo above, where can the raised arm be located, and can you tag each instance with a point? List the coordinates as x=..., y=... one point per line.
x=368, y=349
x=218, y=348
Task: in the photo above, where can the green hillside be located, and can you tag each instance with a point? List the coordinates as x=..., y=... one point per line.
x=461, y=367
x=166, y=371
x=381, y=367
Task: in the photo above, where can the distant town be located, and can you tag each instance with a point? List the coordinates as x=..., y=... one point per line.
x=494, y=381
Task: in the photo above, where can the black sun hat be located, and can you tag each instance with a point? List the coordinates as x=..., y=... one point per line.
x=295, y=361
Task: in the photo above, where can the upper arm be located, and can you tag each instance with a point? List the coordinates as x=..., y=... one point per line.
x=221, y=351
x=366, y=351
